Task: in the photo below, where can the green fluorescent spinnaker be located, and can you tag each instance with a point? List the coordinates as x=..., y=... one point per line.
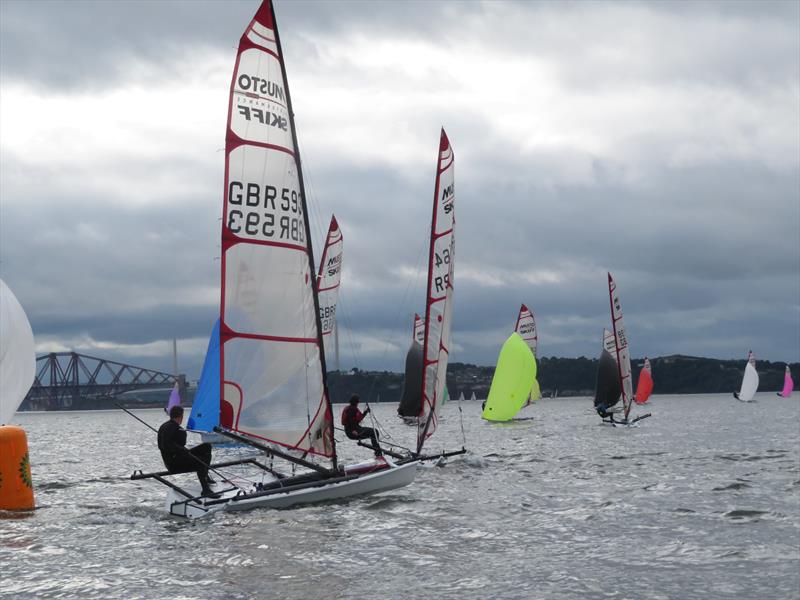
x=512, y=382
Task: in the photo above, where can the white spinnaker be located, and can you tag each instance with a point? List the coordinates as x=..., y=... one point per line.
x=17, y=354
x=621, y=346
x=750, y=380
x=419, y=329
x=271, y=363
x=439, y=301
x=330, y=274
x=526, y=328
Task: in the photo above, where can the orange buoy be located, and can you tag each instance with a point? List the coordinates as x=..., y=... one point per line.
x=16, y=486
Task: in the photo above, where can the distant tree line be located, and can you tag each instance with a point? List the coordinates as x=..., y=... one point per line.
x=674, y=374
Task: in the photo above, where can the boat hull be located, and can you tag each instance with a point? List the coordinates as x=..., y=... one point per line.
x=369, y=482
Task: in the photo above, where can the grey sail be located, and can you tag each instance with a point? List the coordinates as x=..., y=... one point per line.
x=411, y=400
x=608, y=390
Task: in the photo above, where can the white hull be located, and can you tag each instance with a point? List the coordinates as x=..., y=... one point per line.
x=384, y=480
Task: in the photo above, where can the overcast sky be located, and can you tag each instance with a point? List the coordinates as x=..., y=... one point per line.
x=658, y=141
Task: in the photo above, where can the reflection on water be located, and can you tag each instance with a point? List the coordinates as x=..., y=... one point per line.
x=701, y=501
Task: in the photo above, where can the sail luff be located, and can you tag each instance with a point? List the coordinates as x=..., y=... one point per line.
x=272, y=362
x=440, y=279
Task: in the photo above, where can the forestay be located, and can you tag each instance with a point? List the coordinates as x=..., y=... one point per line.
x=621, y=345
x=272, y=361
x=330, y=274
x=17, y=354
x=439, y=302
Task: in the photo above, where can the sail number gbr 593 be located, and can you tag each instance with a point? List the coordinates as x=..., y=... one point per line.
x=266, y=212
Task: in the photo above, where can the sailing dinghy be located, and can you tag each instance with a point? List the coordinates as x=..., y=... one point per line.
x=788, y=384
x=272, y=357
x=749, y=380
x=623, y=363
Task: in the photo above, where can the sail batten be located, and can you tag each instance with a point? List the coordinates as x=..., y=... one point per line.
x=272, y=360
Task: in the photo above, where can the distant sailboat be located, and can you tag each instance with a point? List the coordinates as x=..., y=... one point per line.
x=644, y=386
x=174, y=398
x=749, y=380
x=461, y=397
x=623, y=363
x=788, y=384
x=473, y=397
x=512, y=382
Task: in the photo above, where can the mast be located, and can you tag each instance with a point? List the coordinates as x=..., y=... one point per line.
x=272, y=358
x=438, y=304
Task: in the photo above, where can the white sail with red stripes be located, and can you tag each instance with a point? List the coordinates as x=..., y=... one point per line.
x=419, y=329
x=439, y=300
x=272, y=360
x=330, y=274
x=621, y=346
x=526, y=328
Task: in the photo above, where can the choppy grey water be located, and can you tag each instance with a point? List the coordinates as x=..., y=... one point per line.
x=701, y=501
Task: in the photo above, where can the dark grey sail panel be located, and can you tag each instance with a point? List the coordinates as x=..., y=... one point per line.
x=608, y=390
x=411, y=400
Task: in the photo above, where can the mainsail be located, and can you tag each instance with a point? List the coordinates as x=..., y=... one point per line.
x=330, y=274
x=17, y=354
x=419, y=329
x=609, y=343
x=512, y=380
x=621, y=346
x=749, y=381
x=526, y=328
x=788, y=383
x=272, y=356
x=439, y=300
x=644, y=387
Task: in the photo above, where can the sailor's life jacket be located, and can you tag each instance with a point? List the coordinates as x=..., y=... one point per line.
x=351, y=418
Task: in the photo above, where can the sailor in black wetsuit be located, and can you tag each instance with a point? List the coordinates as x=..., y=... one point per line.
x=179, y=459
x=351, y=421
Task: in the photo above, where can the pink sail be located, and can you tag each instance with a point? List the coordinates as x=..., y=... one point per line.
x=439, y=300
x=788, y=383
